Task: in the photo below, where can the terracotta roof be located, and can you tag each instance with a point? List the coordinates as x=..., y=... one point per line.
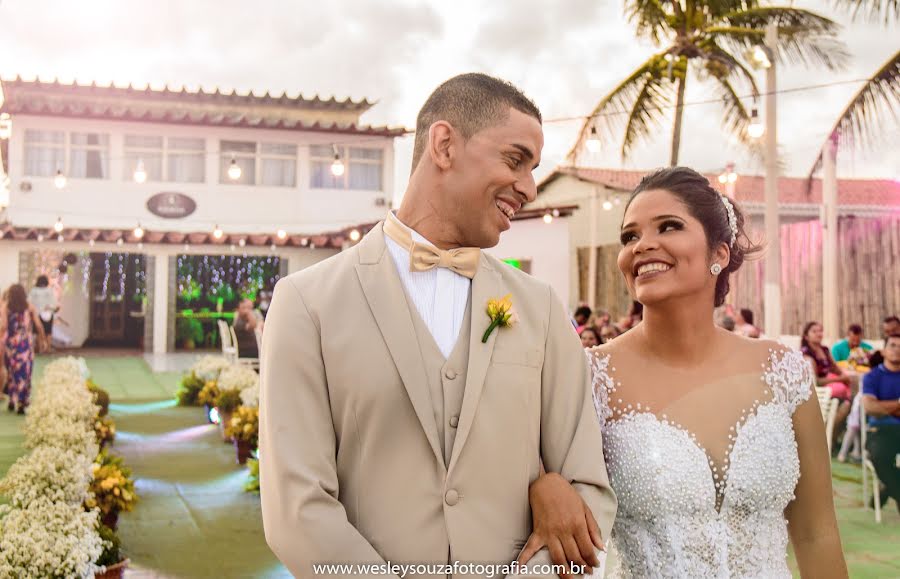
x=751, y=188
x=332, y=240
x=167, y=105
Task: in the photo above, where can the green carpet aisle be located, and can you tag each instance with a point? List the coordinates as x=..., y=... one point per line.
x=194, y=520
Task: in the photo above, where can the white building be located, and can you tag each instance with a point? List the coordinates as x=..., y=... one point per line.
x=122, y=186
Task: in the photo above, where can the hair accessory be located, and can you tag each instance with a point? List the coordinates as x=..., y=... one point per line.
x=732, y=219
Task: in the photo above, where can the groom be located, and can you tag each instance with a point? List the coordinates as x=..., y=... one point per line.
x=390, y=430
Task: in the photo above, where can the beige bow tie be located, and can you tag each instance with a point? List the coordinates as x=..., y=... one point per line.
x=422, y=257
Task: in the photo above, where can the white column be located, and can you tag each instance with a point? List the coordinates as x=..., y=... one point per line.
x=830, y=315
x=160, y=303
x=592, y=257
x=772, y=293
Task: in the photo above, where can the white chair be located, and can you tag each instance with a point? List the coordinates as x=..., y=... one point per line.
x=252, y=362
x=868, y=467
x=829, y=408
x=229, y=347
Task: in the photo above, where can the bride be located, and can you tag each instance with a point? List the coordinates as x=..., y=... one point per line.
x=714, y=442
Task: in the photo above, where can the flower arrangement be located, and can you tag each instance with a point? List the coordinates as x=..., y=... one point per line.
x=250, y=397
x=208, y=393
x=60, y=475
x=100, y=397
x=191, y=385
x=209, y=367
x=49, y=539
x=252, y=485
x=238, y=377
x=112, y=488
x=62, y=433
x=244, y=425
x=228, y=400
x=112, y=546
x=104, y=430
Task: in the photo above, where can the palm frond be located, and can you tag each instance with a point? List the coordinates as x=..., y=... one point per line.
x=872, y=10
x=861, y=122
x=804, y=37
x=649, y=16
x=647, y=113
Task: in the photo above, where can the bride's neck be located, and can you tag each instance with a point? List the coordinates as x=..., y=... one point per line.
x=680, y=334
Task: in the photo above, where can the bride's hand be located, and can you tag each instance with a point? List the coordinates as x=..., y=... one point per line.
x=563, y=523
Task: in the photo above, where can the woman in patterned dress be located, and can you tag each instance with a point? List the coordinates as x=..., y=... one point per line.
x=18, y=322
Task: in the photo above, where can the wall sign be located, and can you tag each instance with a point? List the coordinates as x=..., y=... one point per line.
x=171, y=205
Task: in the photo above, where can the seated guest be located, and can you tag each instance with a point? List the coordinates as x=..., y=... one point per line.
x=745, y=325
x=589, y=337
x=881, y=397
x=890, y=325
x=582, y=315
x=852, y=349
x=826, y=371
x=246, y=320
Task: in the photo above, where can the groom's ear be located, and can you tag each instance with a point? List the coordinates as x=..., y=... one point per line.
x=442, y=144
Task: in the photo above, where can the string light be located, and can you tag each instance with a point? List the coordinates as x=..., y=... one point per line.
x=281, y=234
x=242, y=242
x=548, y=218
x=217, y=232
x=593, y=143
x=58, y=226
x=59, y=180
x=607, y=205
x=556, y=213
x=120, y=242
x=354, y=235
x=140, y=174
x=139, y=231
x=234, y=170
x=337, y=167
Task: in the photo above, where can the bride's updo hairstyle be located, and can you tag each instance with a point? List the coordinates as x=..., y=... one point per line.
x=706, y=205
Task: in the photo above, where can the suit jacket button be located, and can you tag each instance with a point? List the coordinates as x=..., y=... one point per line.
x=452, y=497
x=454, y=421
x=450, y=374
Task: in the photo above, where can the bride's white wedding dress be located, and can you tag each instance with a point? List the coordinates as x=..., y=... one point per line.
x=704, y=471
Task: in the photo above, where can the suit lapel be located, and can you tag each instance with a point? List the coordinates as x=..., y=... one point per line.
x=486, y=285
x=384, y=292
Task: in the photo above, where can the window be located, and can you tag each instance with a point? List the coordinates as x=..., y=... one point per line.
x=363, y=168
x=243, y=153
x=185, y=160
x=89, y=156
x=45, y=153
x=147, y=150
x=278, y=164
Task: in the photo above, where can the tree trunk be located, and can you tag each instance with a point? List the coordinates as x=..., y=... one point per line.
x=679, y=113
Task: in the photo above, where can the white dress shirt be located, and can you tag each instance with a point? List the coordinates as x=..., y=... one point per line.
x=439, y=294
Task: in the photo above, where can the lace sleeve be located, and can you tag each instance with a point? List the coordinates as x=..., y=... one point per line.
x=601, y=384
x=790, y=377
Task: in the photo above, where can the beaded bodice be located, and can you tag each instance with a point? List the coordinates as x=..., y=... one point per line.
x=703, y=477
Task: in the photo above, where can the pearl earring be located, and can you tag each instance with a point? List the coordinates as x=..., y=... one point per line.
x=715, y=269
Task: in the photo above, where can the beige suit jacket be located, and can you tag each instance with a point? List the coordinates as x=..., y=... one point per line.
x=351, y=468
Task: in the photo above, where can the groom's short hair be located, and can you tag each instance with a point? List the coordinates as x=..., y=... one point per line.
x=470, y=102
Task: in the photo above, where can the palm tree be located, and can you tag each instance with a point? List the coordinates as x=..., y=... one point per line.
x=860, y=123
x=709, y=38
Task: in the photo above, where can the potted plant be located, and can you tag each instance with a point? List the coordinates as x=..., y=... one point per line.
x=112, y=559
x=112, y=488
x=226, y=403
x=190, y=332
x=243, y=429
x=191, y=385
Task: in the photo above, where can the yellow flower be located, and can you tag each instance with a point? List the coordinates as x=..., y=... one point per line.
x=501, y=313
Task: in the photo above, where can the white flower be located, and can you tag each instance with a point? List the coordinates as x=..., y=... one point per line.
x=250, y=397
x=238, y=376
x=208, y=367
x=49, y=539
x=60, y=475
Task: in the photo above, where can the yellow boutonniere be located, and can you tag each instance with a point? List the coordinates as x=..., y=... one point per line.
x=501, y=314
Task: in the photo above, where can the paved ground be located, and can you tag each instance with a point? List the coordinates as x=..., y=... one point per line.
x=195, y=521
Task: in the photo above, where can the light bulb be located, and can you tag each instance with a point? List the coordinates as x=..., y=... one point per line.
x=234, y=170
x=723, y=178
x=354, y=235
x=756, y=129
x=732, y=177
x=593, y=142
x=91, y=242
x=282, y=234
x=242, y=242
x=337, y=168
x=40, y=237
x=60, y=179
x=217, y=232
x=140, y=174
x=556, y=213
x=120, y=242
x=139, y=231
x=548, y=218
x=607, y=205
x=617, y=200
x=58, y=226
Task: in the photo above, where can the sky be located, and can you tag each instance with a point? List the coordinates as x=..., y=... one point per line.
x=564, y=54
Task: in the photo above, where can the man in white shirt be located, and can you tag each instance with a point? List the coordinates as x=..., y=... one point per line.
x=403, y=415
x=43, y=298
